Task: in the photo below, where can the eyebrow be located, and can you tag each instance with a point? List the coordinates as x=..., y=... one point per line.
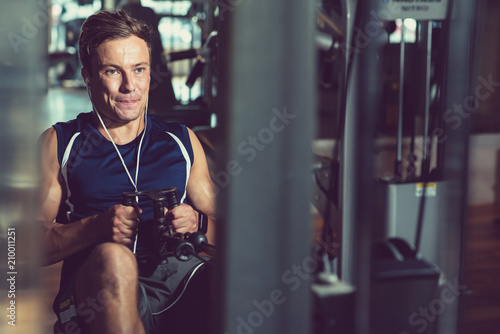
x=142, y=64
x=117, y=66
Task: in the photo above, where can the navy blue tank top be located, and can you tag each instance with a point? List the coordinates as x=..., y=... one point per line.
x=94, y=175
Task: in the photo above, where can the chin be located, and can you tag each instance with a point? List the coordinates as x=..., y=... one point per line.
x=130, y=114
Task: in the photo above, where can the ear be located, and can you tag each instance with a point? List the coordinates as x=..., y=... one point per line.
x=86, y=76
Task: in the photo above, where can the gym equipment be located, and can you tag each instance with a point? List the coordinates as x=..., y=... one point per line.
x=201, y=55
x=400, y=274
x=166, y=241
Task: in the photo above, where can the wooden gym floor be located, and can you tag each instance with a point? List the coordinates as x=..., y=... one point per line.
x=482, y=271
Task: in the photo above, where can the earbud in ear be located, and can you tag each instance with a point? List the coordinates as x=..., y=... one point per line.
x=87, y=84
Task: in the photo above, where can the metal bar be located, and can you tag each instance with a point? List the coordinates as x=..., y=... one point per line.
x=360, y=198
x=428, y=60
x=264, y=176
x=401, y=97
x=347, y=248
x=459, y=85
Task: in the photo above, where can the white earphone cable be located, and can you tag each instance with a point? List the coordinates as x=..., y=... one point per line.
x=134, y=182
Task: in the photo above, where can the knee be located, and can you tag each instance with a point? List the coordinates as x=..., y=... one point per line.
x=112, y=261
x=109, y=273
x=114, y=253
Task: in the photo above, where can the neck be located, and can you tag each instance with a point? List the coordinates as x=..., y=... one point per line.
x=121, y=133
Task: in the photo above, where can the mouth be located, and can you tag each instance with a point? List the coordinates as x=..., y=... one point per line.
x=127, y=101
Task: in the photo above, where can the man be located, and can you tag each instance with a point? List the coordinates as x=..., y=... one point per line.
x=89, y=162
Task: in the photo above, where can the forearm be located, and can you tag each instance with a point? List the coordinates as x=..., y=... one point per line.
x=211, y=230
x=64, y=240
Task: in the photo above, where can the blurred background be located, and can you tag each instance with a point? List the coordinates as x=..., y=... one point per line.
x=390, y=129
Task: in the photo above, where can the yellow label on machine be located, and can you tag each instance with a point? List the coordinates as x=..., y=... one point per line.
x=430, y=189
x=64, y=304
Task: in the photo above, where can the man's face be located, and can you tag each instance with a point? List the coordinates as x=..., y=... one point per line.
x=120, y=77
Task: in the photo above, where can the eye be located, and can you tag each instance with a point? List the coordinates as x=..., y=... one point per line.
x=111, y=72
x=140, y=70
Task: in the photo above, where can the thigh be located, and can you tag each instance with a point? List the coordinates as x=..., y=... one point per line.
x=171, y=290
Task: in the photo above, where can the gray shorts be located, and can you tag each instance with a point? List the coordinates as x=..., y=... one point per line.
x=159, y=298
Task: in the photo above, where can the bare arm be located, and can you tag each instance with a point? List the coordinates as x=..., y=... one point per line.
x=117, y=224
x=200, y=188
x=201, y=193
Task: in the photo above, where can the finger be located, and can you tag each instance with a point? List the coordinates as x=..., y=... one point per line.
x=128, y=230
x=122, y=221
x=181, y=211
x=133, y=212
x=137, y=209
x=131, y=224
x=123, y=241
x=184, y=224
x=128, y=211
x=124, y=236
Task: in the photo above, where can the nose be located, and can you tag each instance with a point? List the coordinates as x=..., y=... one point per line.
x=128, y=84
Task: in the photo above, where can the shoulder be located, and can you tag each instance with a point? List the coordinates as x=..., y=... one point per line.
x=47, y=148
x=180, y=133
x=70, y=127
x=177, y=129
x=64, y=131
x=48, y=138
x=81, y=119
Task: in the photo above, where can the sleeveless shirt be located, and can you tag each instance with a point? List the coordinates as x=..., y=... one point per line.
x=95, y=179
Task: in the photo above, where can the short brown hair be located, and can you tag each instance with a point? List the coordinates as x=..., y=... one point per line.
x=109, y=25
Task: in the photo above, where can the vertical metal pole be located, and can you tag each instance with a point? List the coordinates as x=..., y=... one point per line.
x=460, y=90
x=398, y=168
x=208, y=85
x=360, y=196
x=425, y=153
x=263, y=180
x=346, y=208
x=23, y=84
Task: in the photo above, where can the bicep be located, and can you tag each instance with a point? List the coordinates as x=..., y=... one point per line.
x=200, y=188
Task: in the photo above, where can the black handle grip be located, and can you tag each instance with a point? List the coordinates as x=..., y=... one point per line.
x=172, y=200
x=129, y=199
x=185, y=54
x=196, y=72
x=184, y=246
